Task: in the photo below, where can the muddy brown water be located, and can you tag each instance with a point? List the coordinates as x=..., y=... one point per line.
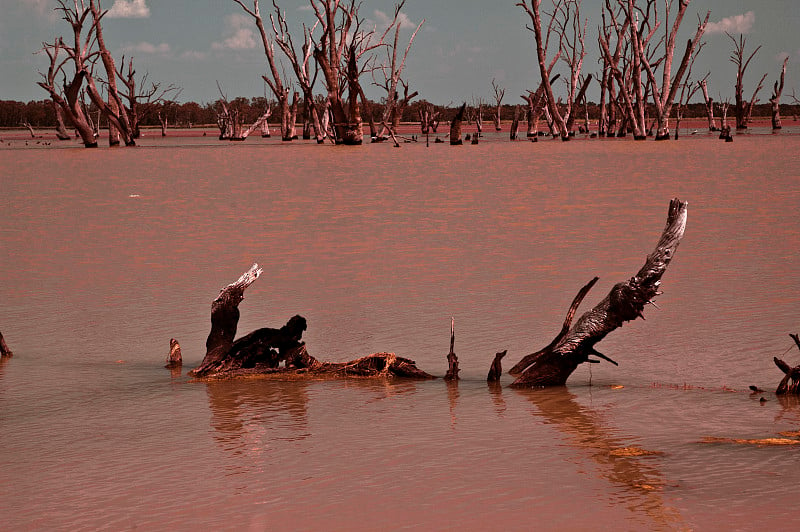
x=107, y=254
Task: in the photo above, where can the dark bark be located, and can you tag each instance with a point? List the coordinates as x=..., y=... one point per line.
x=497, y=367
x=452, y=359
x=455, y=126
x=552, y=365
x=262, y=351
x=791, y=374
x=5, y=352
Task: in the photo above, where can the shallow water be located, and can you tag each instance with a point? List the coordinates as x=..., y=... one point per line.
x=107, y=254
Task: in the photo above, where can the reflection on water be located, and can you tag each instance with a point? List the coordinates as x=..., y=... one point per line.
x=639, y=477
x=248, y=415
x=496, y=391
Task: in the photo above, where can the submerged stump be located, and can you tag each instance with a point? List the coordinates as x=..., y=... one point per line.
x=280, y=351
x=790, y=384
x=552, y=365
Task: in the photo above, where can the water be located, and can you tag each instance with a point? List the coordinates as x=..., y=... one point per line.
x=107, y=254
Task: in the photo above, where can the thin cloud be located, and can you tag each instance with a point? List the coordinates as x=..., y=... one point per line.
x=238, y=34
x=735, y=24
x=129, y=9
x=147, y=48
x=382, y=20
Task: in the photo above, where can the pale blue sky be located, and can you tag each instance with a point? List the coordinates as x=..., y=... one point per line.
x=462, y=46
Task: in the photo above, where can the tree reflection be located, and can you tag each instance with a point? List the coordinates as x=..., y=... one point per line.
x=633, y=469
x=247, y=415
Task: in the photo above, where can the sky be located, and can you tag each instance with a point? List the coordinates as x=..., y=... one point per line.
x=463, y=45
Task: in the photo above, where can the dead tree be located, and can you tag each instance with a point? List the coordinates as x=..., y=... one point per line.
x=274, y=79
x=775, y=100
x=561, y=15
x=344, y=53
x=552, y=365
x=281, y=351
x=712, y=123
x=514, y=124
x=392, y=71
x=455, y=126
x=78, y=54
x=498, y=100
x=665, y=92
x=742, y=108
x=142, y=97
x=300, y=65
x=791, y=374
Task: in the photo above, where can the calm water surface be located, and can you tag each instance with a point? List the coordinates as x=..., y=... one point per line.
x=107, y=254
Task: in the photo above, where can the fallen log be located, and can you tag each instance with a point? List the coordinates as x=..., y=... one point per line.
x=790, y=374
x=280, y=352
x=552, y=365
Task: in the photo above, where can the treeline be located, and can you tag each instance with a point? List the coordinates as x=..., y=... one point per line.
x=41, y=114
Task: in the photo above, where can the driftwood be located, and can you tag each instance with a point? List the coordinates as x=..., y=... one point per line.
x=790, y=374
x=5, y=352
x=280, y=351
x=552, y=365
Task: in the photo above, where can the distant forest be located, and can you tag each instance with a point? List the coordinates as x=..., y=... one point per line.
x=40, y=113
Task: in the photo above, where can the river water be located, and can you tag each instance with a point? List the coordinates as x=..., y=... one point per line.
x=107, y=254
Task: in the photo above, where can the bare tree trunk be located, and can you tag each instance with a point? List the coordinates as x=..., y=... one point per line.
x=498, y=99
x=573, y=346
x=61, y=128
x=455, y=126
x=514, y=124
x=775, y=101
x=496, y=370
x=290, y=129
x=712, y=123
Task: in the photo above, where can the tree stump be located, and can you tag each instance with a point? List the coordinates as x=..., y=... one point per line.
x=497, y=368
x=452, y=359
x=5, y=352
x=174, y=359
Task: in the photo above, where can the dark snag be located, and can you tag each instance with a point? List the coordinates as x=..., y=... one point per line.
x=174, y=359
x=555, y=363
x=497, y=368
x=262, y=351
x=5, y=352
x=452, y=359
x=791, y=374
x=455, y=126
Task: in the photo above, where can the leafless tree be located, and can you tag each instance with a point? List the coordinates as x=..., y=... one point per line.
x=743, y=109
x=300, y=65
x=664, y=94
x=273, y=79
x=498, y=100
x=79, y=54
x=391, y=71
x=140, y=94
x=775, y=100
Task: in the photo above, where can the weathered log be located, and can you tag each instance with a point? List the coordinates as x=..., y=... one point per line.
x=455, y=126
x=174, y=359
x=552, y=365
x=262, y=351
x=497, y=368
x=5, y=352
x=790, y=374
x=452, y=359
